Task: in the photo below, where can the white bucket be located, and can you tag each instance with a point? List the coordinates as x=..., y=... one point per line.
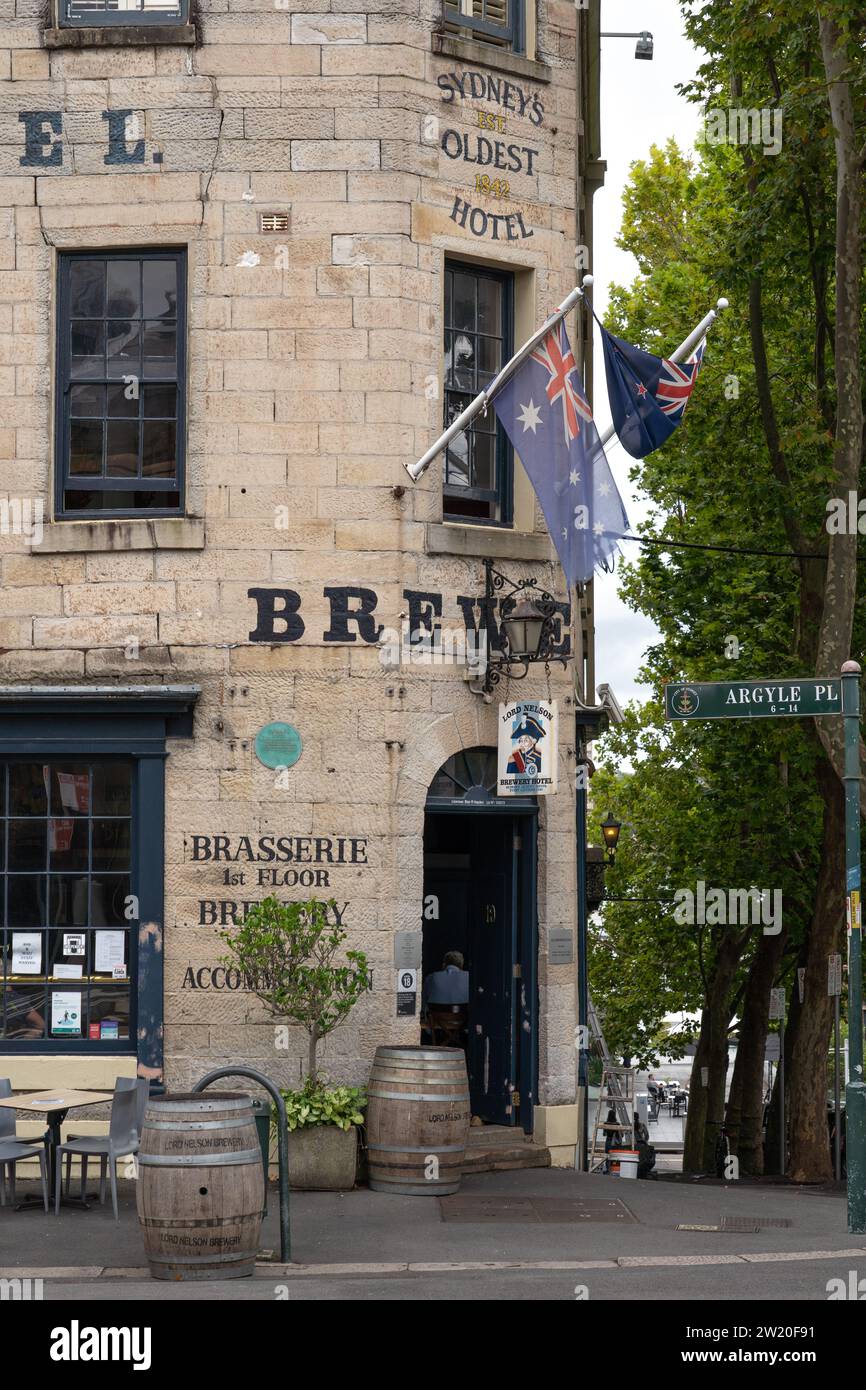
x=627, y=1159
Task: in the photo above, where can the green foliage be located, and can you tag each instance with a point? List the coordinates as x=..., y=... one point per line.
x=318, y=1104
x=287, y=953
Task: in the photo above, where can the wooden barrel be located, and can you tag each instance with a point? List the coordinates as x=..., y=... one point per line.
x=417, y=1120
x=201, y=1188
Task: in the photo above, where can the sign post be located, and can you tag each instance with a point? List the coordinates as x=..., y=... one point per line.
x=834, y=989
x=855, y=1091
x=811, y=698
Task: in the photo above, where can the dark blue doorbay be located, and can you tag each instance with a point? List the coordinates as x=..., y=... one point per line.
x=479, y=894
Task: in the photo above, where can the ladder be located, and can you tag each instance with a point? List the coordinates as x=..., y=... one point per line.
x=616, y=1094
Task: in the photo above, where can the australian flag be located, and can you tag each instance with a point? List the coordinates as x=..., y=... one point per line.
x=648, y=395
x=545, y=414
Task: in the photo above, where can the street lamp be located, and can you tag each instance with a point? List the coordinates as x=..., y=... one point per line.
x=529, y=627
x=645, y=43
x=610, y=828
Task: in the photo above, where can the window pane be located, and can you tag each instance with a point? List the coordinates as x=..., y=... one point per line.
x=457, y=462
x=70, y=788
x=109, y=1011
x=86, y=289
x=90, y=501
x=110, y=844
x=112, y=783
x=28, y=844
x=489, y=360
x=489, y=306
x=85, y=447
x=87, y=349
x=160, y=401
x=121, y=453
x=117, y=404
x=159, y=350
x=160, y=289
x=67, y=843
x=25, y=1012
x=68, y=900
x=464, y=302
x=87, y=400
x=93, y=9
x=124, y=289
x=460, y=367
x=123, y=348
x=28, y=794
x=482, y=460
x=28, y=901
x=159, y=449
x=108, y=894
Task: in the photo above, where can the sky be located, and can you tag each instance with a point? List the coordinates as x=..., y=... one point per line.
x=639, y=108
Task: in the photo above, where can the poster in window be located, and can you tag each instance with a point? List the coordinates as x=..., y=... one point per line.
x=66, y=1014
x=528, y=748
x=73, y=943
x=110, y=951
x=26, y=953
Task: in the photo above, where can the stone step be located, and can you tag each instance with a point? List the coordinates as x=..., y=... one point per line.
x=498, y=1157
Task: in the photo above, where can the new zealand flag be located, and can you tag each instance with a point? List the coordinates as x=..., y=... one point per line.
x=648, y=395
x=546, y=416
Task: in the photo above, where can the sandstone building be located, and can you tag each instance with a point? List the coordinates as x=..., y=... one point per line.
x=252, y=252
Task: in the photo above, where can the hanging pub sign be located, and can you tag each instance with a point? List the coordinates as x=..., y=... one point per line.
x=527, y=748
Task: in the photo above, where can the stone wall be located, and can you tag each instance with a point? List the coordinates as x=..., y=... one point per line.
x=315, y=363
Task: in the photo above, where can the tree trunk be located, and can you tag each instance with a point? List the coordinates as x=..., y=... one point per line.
x=745, y=1112
x=314, y=1038
x=809, y=1148
x=707, y=1102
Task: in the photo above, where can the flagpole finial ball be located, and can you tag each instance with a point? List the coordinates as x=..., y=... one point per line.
x=589, y=279
x=722, y=303
x=851, y=668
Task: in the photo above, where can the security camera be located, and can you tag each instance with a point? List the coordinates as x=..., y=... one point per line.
x=611, y=704
x=644, y=47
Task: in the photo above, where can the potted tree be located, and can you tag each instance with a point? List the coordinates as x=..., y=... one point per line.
x=288, y=953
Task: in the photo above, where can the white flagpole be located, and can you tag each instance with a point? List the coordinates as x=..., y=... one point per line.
x=465, y=417
x=684, y=350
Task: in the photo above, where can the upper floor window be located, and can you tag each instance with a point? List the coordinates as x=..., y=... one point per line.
x=121, y=362
x=91, y=12
x=478, y=342
x=492, y=21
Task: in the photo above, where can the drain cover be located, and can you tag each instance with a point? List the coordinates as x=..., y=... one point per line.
x=534, y=1210
x=754, y=1223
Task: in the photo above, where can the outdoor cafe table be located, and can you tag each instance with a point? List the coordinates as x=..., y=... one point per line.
x=55, y=1105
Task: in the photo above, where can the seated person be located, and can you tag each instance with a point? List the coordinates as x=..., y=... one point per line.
x=646, y=1151
x=450, y=985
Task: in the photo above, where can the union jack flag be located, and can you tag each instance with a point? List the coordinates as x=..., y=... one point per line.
x=555, y=355
x=676, y=384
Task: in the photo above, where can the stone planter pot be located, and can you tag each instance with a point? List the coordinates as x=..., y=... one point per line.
x=323, y=1158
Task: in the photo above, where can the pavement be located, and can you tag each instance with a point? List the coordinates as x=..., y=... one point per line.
x=536, y=1234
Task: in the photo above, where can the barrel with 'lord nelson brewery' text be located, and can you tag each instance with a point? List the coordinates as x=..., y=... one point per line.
x=201, y=1187
x=417, y=1120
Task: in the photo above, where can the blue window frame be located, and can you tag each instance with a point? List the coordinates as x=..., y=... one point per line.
x=82, y=802
x=479, y=338
x=89, y=13
x=121, y=383
x=493, y=21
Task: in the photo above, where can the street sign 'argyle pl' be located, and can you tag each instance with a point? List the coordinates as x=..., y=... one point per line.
x=546, y=416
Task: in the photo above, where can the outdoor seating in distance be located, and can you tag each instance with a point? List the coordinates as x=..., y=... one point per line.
x=12, y=1149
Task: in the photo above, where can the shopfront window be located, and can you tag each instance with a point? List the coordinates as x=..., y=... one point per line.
x=491, y=21
x=74, y=12
x=67, y=895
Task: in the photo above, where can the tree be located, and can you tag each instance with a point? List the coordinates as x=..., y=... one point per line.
x=287, y=952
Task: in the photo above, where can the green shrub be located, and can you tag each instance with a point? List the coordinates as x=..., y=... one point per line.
x=318, y=1104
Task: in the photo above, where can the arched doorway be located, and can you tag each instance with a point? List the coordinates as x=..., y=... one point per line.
x=480, y=899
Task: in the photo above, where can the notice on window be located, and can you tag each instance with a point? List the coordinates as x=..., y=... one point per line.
x=26, y=953
x=67, y=972
x=66, y=1014
x=73, y=943
x=110, y=951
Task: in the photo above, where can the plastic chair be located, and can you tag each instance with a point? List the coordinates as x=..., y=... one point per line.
x=122, y=1083
x=122, y=1139
x=12, y=1150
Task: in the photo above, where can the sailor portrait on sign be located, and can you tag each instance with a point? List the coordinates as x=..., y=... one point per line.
x=525, y=760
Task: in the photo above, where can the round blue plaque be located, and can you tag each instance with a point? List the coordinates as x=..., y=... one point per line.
x=278, y=745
